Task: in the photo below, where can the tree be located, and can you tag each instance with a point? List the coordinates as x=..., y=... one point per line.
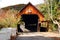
x=9, y=18
x=52, y=10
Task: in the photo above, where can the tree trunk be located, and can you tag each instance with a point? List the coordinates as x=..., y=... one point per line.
x=56, y=22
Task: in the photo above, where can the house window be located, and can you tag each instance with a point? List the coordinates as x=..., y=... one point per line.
x=44, y=24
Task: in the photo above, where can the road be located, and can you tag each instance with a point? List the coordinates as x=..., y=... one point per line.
x=34, y=38
x=38, y=36
x=5, y=33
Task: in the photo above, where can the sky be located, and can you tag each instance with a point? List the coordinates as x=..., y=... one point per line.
x=5, y=3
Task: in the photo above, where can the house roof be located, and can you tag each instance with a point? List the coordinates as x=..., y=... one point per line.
x=32, y=6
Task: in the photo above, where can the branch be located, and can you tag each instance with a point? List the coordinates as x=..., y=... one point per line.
x=55, y=22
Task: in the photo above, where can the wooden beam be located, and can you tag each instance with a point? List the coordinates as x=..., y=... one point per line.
x=38, y=27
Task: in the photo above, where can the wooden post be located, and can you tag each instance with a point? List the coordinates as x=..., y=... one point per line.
x=13, y=37
x=38, y=27
x=47, y=25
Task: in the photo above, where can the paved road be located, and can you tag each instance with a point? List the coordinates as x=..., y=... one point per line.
x=5, y=33
x=34, y=38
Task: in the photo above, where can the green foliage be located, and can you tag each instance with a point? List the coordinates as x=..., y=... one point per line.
x=55, y=11
x=10, y=19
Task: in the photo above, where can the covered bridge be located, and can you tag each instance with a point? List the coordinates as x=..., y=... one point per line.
x=32, y=17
